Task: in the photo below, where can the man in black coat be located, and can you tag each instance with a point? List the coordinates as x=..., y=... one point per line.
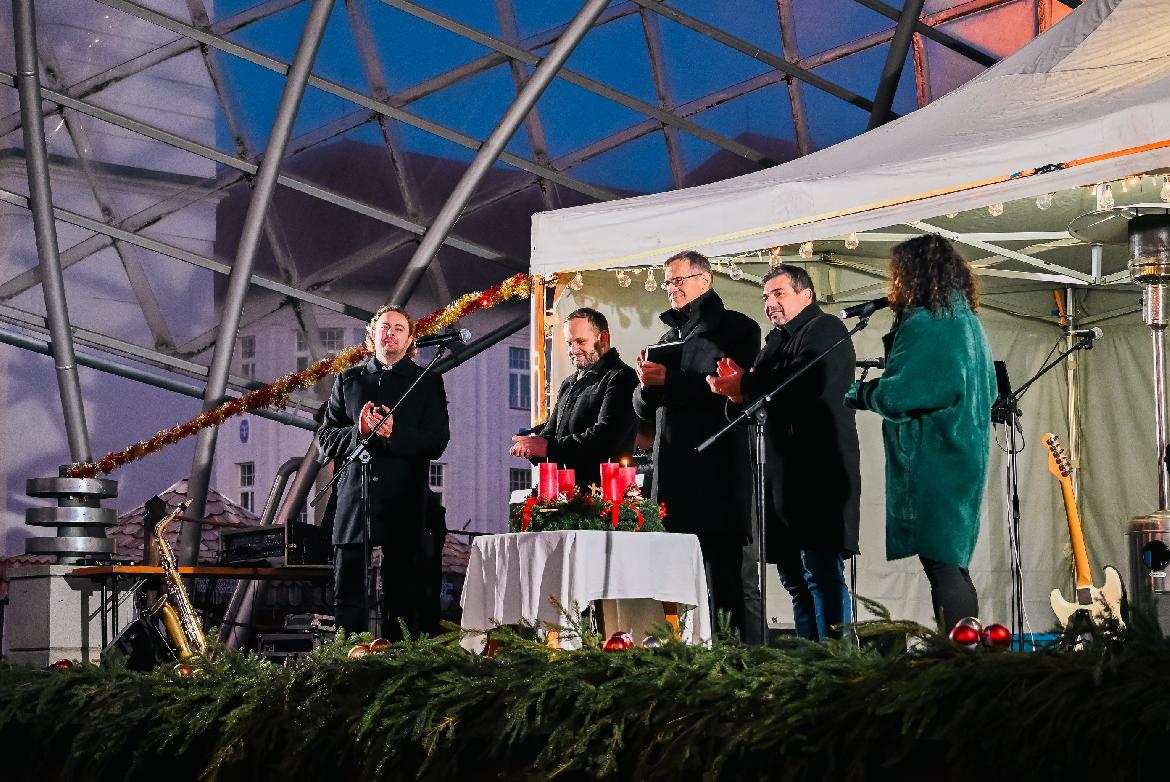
x=593, y=421
x=707, y=494
x=402, y=449
x=813, y=460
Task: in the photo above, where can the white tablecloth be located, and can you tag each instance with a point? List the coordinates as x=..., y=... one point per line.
x=511, y=577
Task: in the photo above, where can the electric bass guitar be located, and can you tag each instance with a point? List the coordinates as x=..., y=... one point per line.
x=1099, y=603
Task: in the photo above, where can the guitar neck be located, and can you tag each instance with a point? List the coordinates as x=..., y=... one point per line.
x=1076, y=536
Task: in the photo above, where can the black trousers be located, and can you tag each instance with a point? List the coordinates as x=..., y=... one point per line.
x=411, y=579
x=951, y=592
x=725, y=569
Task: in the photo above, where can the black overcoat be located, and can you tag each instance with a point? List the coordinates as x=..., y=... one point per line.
x=399, y=477
x=708, y=494
x=593, y=421
x=813, y=458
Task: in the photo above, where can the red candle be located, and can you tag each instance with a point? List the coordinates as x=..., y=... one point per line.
x=627, y=477
x=610, y=489
x=566, y=482
x=548, y=481
x=608, y=470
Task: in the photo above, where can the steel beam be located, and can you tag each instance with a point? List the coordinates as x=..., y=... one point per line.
x=584, y=82
x=756, y=53
x=265, y=187
x=678, y=169
x=493, y=337
x=117, y=347
x=490, y=151
x=938, y=36
x=357, y=98
x=883, y=99
x=41, y=203
x=148, y=378
x=160, y=54
x=195, y=259
x=792, y=54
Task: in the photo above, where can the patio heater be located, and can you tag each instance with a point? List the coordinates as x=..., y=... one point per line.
x=1146, y=228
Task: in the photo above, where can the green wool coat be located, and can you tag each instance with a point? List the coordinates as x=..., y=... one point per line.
x=935, y=397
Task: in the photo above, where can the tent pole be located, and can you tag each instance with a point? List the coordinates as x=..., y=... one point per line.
x=41, y=204
x=488, y=153
x=883, y=99
x=1072, y=367
x=265, y=187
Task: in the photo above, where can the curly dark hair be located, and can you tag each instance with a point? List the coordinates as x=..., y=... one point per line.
x=925, y=271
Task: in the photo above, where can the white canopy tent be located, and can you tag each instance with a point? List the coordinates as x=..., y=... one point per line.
x=1088, y=102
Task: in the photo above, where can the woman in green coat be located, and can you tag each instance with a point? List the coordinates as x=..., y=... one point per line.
x=935, y=397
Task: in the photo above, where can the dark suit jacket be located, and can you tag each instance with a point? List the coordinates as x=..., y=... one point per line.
x=400, y=464
x=813, y=459
x=707, y=494
x=594, y=420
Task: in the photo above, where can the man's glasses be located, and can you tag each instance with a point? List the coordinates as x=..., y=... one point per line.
x=675, y=281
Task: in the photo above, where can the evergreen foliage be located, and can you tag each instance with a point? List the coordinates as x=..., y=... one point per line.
x=1092, y=706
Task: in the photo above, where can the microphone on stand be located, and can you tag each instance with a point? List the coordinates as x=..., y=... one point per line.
x=463, y=336
x=1094, y=333
x=871, y=363
x=865, y=309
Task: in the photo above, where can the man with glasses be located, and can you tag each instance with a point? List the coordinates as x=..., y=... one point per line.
x=707, y=494
x=813, y=481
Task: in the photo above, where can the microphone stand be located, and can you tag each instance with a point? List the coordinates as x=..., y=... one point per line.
x=1006, y=410
x=361, y=453
x=758, y=414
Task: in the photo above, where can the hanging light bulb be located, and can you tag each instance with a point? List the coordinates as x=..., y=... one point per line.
x=995, y=210
x=1105, y=200
x=775, y=257
x=852, y=242
x=651, y=283
x=806, y=250
x=1044, y=200
x=623, y=279
x=1132, y=182
x=578, y=282
x=1165, y=192
x=952, y=215
x=734, y=272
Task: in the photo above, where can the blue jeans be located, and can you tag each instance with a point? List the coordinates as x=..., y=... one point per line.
x=820, y=598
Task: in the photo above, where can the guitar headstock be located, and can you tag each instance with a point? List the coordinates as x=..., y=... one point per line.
x=1058, y=463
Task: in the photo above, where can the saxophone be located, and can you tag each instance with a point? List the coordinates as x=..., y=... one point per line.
x=174, y=606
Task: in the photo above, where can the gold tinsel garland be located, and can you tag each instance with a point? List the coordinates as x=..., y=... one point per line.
x=277, y=394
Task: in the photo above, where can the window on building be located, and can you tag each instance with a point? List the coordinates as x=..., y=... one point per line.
x=248, y=346
x=302, y=363
x=438, y=478
x=519, y=394
x=247, y=473
x=519, y=479
x=332, y=340
x=302, y=343
x=248, y=370
x=247, y=501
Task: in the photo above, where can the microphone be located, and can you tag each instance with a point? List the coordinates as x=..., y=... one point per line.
x=871, y=363
x=865, y=309
x=1090, y=334
x=463, y=336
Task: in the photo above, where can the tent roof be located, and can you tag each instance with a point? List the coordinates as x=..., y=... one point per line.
x=1087, y=101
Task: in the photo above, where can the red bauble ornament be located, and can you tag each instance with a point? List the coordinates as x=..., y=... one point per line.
x=62, y=665
x=184, y=670
x=360, y=650
x=966, y=633
x=619, y=642
x=997, y=637
x=379, y=645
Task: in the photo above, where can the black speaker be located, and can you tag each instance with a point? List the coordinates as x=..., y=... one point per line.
x=141, y=645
